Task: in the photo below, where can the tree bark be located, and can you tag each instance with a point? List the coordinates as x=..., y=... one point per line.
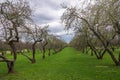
x=117, y=62
x=13, y=50
x=48, y=52
x=10, y=66
x=33, y=59
x=33, y=52
x=43, y=56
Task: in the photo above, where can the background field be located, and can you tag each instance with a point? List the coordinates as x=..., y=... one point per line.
x=68, y=64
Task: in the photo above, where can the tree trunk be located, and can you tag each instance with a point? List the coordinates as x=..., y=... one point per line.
x=87, y=51
x=10, y=66
x=13, y=50
x=102, y=54
x=33, y=59
x=43, y=56
x=117, y=62
x=92, y=53
x=93, y=50
x=49, y=52
x=33, y=53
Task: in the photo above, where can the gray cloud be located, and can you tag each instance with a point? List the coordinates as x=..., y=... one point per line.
x=45, y=11
x=56, y=29
x=54, y=4
x=42, y=18
x=49, y=12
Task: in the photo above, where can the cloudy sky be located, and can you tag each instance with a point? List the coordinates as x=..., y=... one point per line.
x=49, y=12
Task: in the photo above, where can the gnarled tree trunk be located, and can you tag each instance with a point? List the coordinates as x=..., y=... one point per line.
x=10, y=66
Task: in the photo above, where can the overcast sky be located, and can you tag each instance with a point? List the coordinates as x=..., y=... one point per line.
x=49, y=12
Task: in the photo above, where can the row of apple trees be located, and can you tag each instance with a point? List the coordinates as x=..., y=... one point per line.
x=97, y=27
x=19, y=35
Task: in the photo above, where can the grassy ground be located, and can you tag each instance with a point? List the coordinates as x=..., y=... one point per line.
x=69, y=64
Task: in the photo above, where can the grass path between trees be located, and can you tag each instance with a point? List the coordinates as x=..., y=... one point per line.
x=68, y=64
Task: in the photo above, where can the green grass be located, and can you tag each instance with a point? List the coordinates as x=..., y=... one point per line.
x=68, y=64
